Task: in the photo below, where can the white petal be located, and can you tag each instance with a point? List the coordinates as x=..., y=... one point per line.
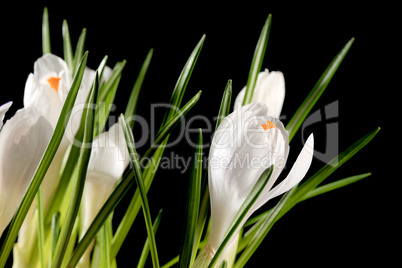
x=23, y=141
x=50, y=64
x=3, y=110
x=298, y=171
x=270, y=89
x=43, y=98
x=109, y=153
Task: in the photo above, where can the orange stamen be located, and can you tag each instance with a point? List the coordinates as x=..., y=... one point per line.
x=54, y=82
x=268, y=125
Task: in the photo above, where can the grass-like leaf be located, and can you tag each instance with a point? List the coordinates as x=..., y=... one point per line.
x=79, y=49
x=302, y=112
x=171, y=123
x=241, y=214
x=182, y=82
x=135, y=204
x=188, y=246
x=334, y=185
x=67, y=48
x=140, y=184
x=43, y=165
x=257, y=60
x=145, y=249
x=129, y=113
x=46, y=48
x=225, y=104
x=328, y=169
x=78, y=187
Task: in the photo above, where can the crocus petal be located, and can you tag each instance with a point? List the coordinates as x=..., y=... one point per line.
x=296, y=174
x=43, y=98
x=50, y=65
x=23, y=141
x=3, y=110
x=109, y=153
x=269, y=89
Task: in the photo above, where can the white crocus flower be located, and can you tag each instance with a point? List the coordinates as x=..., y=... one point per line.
x=23, y=140
x=46, y=90
x=109, y=158
x=246, y=143
x=269, y=89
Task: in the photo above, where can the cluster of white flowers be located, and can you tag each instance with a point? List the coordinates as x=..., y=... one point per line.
x=23, y=140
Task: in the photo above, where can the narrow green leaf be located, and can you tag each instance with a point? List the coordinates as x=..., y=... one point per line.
x=193, y=203
x=224, y=264
x=225, y=104
x=135, y=204
x=263, y=230
x=182, y=82
x=79, y=51
x=129, y=114
x=334, y=185
x=102, y=110
x=67, y=48
x=140, y=184
x=172, y=122
x=105, y=88
x=302, y=112
x=78, y=188
x=54, y=235
x=145, y=249
x=105, y=247
x=101, y=68
x=171, y=262
x=257, y=60
x=46, y=48
x=43, y=165
x=241, y=214
x=333, y=165
x=41, y=228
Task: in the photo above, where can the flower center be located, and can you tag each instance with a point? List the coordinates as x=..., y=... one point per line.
x=268, y=125
x=54, y=82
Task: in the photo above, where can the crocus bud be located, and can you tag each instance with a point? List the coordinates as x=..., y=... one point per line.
x=269, y=89
x=109, y=158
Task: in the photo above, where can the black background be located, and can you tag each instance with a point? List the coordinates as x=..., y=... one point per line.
x=352, y=226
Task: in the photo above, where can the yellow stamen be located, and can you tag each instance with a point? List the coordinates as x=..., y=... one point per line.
x=268, y=125
x=54, y=82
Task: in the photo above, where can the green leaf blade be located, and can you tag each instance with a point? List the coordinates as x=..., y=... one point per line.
x=302, y=112
x=181, y=84
x=188, y=247
x=135, y=92
x=258, y=58
x=46, y=47
x=144, y=200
